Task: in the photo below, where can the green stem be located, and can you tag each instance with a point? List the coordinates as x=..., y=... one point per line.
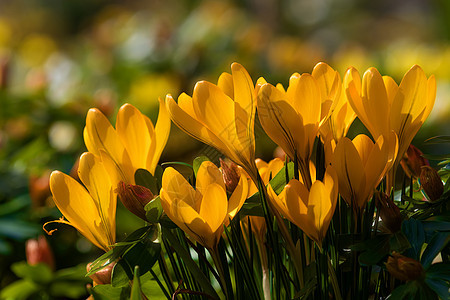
x=220, y=269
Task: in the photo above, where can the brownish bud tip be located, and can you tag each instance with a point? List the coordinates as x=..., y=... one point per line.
x=431, y=183
x=231, y=174
x=389, y=212
x=103, y=276
x=413, y=161
x=39, y=251
x=134, y=198
x=404, y=268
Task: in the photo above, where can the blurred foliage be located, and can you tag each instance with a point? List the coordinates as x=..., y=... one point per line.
x=59, y=58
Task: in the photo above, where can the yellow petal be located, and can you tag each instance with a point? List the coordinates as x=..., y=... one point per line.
x=214, y=109
x=244, y=96
x=95, y=178
x=363, y=145
x=391, y=88
x=304, y=96
x=349, y=168
x=207, y=174
x=225, y=83
x=280, y=120
x=213, y=207
x=100, y=135
x=375, y=102
x=77, y=206
x=237, y=199
x=132, y=129
x=176, y=187
x=162, y=131
x=192, y=126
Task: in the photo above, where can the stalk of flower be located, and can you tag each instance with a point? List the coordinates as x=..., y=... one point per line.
x=221, y=116
x=134, y=144
x=291, y=118
x=311, y=210
x=93, y=211
x=384, y=106
x=202, y=212
x=360, y=165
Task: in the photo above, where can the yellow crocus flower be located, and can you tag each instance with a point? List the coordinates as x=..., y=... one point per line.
x=93, y=211
x=201, y=212
x=341, y=114
x=311, y=210
x=291, y=118
x=360, y=165
x=383, y=106
x=134, y=144
x=221, y=116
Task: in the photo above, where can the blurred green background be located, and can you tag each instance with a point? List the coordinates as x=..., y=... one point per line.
x=60, y=58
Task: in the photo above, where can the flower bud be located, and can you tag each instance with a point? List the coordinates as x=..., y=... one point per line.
x=389, y=212
x=103, y=276
x=230, y=173
x=134, y=198
x=431, y=183
x=413, y=161
x=38, y=251
x=404, y=268
x=39, y=189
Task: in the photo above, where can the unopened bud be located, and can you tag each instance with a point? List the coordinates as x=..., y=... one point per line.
x=404, y=268
x=103, y=276
x=134, y=198
x=38, y=251
x=413, y=161
x=231, y=174
x=39, y=189
x=431, y=183
x=389, y=212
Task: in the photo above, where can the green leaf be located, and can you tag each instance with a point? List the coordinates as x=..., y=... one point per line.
x=40, y=273
x=399, y=242
x=146, y=179
x=374, y=250
x=439, y=286
x=413, y=230
x=438, y=277
x=154, y=210
x=279, y=181
x=143, y=254
x=17, y=229
x=108, y=292
x=197, y=163
x=67, y=289
x=5, y=247
x=437, y=243
x=439, y=271
x=136, y=287
x=19, y=290
x=440, y=139
x=190, y=264
x=413, y=290
x=120, y=276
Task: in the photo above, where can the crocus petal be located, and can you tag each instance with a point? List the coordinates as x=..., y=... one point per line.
x=177, y=187
x=225, y=83
x=207, y=174
x=237, y=199
x=159, y=141
x=77, y=206
x=132, y=128
x=213, y=208
x=94, y=176
x=192, y=126
x=100, y=135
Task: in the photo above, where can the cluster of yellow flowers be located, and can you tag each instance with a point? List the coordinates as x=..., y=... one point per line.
x=317, y=105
